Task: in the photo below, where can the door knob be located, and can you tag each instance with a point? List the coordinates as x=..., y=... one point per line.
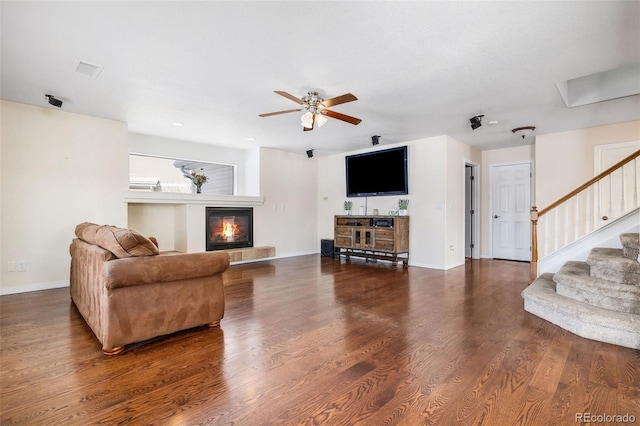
x=495, y=216
x=605, y=218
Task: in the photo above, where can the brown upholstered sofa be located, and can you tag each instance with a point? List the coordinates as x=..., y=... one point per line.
x=128, y=292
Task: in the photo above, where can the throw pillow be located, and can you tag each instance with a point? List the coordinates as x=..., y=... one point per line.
x=124, y=242
x=86, y=231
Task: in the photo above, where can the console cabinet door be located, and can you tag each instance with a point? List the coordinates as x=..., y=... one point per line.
x=343, y=237
x=384, y=239
x=363, y=238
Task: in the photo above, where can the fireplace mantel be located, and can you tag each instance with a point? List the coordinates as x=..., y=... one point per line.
x=178, y=220
x=139, y=197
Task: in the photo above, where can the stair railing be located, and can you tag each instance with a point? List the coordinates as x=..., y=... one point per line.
x=609, y=195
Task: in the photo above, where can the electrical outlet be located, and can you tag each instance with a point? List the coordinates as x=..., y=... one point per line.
x=451, y=247
x=21, y=266
x=11, y=266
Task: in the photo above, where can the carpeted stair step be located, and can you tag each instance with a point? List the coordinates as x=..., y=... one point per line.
x=574, y=281
x=610, y=264
x=631, y=245
x=591, y=322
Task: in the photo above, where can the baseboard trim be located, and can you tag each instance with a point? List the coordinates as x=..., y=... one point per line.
x=4, y=291
x=439, y=267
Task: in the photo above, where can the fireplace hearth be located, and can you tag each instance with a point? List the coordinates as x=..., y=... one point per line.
x=229, y=227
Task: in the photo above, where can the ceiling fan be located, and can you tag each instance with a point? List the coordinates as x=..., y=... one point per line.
x=316, y=109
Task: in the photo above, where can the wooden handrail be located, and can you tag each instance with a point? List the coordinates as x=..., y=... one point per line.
x=590, y=182
x=535, y=213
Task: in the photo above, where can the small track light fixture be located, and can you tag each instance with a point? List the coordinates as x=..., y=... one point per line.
x=476, y=121
x=54, y=101
x=375, y=140
x=310, y=153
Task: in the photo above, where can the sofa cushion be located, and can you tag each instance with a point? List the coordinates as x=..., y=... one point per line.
x=164, y=268
x=123, y=242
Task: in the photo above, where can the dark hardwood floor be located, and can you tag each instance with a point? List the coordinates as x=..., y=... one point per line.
x=310, y=340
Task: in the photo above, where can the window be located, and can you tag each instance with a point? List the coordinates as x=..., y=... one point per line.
x=157, y=174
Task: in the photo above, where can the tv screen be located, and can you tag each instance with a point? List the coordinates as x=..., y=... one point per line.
x=377, y=173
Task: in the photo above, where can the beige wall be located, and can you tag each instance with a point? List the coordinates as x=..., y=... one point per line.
x=564, y=160
x=58, y=169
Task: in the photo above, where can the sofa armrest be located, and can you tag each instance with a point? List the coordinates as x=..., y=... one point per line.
x=163, y=268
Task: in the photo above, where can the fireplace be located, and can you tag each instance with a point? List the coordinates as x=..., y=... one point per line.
x=229, y=227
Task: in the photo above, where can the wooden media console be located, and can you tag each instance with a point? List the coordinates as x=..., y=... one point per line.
x=372, y=237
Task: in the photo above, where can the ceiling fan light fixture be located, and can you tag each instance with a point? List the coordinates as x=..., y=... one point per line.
x=306, y=120
x=523, y=131
x=321, y=120
x=315, y=109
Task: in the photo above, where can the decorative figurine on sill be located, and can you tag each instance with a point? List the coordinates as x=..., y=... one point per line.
x=198, y=179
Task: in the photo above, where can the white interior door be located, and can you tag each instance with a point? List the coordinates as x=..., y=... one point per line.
x=510, y=215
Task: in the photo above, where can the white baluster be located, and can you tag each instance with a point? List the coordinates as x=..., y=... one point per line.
x=546, y=235
x=566, y=225
x=622, y=203
x=587, y=219
x=635, y=183
x=555, y=229
x=610, y=197
x=576, y=228
x=596, y=196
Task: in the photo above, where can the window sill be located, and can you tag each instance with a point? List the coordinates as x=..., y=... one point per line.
x=141, y=197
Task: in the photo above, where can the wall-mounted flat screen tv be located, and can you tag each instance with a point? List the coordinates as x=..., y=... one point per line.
x=377, y=173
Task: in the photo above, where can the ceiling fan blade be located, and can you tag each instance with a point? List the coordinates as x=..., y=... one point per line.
x=343, y=99
x=339, y=116
x=268, y=114
x=288, y=96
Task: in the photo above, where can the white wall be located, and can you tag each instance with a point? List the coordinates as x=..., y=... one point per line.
x=428, y=202
x=458, y=154
x=287, y=181
x=287, y=220
x=58, y=169
x=436, y=198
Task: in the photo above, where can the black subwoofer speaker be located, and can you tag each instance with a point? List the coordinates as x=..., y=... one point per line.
x=326, y=248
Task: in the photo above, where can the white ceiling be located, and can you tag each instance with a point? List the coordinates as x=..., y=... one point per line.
x=419, y=69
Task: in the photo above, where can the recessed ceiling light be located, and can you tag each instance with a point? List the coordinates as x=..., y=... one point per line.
x=251, y=139
x=177, y=124
x=493, y=122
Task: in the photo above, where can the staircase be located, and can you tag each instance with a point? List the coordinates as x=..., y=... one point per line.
x=598, y=299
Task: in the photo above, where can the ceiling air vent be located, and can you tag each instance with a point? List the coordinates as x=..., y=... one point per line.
x=88, y=69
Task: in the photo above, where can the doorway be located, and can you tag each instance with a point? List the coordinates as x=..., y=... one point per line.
x=510, y=211
x=471, y=199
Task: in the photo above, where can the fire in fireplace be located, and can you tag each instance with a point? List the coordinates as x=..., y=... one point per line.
x=229, y=227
